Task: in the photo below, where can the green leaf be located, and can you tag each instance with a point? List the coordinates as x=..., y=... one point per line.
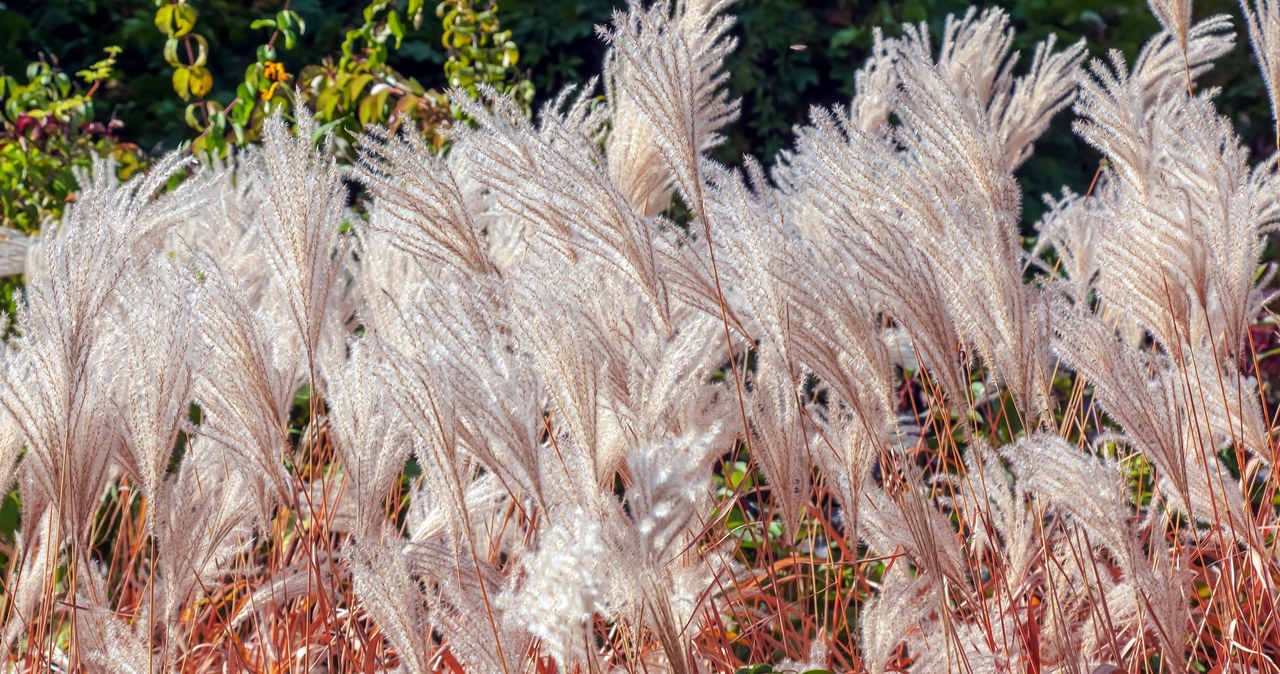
x=394, y=25
x=263, y=23
x=913, y=11
x=327, y=102
x=324, y=129
x=243, y=109
x=253, y=76
x=218, y=124
x=10, y=514
x=845, y=37
x=415, y=13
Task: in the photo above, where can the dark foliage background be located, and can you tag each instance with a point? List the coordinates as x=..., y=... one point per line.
x=792, y=54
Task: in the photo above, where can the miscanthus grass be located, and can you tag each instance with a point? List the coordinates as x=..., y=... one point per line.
x=575, y=397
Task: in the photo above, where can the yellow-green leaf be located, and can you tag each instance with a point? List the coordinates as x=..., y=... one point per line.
x=394, y=25
x=184, y=19
x=176, y=20
x=370, y=110
x=171, y=53
x=190, y=116
x=202, y=50
x=164, y=19
x=356, y=85
x=201, y=81
x=181, y=82
x=327, y=103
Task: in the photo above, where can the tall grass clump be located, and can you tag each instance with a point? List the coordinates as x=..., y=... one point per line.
x=574, y=397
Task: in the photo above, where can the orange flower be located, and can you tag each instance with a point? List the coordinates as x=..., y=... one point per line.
x=275, y=72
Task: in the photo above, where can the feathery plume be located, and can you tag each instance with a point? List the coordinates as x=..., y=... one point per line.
x=301, y=222
x=1263, y=22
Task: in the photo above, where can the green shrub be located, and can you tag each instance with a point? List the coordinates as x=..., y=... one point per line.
x=349, y=89
x=47, y=133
